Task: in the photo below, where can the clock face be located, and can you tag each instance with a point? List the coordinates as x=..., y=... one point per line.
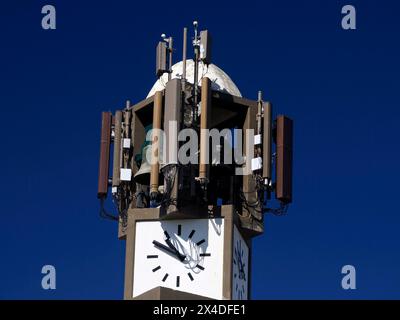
x=185, y=255
x=240, y=267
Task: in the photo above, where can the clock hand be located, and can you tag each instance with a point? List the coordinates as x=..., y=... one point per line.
x=242, y=275
x=179, y=255
x=169, y=250
x=164, y=247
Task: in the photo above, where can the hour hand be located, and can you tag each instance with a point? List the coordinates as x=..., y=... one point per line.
x=168, y=249
x=179, y=255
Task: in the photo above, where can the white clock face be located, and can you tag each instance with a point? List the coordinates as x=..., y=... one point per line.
x=240, y=268
x=185, y=255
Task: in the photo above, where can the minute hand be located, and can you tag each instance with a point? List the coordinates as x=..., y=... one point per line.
x=168, y=249
x=179, y=255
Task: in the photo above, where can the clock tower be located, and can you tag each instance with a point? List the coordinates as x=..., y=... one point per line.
x=192, y=179
x=202, y=256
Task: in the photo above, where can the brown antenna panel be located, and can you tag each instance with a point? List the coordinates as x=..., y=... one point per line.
x=284, y=158
x=104, y=162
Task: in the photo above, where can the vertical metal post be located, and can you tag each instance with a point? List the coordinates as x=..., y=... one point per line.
x=196, y=71
x=259, y=112
x=266, y=139
x=184, y=58
x=117, y=149
x=170, y=41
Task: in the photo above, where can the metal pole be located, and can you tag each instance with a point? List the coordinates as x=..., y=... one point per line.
x=184, y=58
x=170, y=41
x=259, y=112
x=266, y=139
x=117, y=149
x=196, y=66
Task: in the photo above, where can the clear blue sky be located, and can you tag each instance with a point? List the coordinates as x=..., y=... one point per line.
x=340, y=87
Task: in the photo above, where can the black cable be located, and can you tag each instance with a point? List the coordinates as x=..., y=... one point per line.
x=104, y=214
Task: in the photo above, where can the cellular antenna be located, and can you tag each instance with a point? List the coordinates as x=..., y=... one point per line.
x=162, y=51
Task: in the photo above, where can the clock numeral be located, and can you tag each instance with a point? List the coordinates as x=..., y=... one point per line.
x=190, y=276
x=152, y=256
x=191, y=234
x=201, y=242
x=177, y=281
x=200, y=267
x=165, y=277
x=179, y=229
x=205, y=254
x=156, y=268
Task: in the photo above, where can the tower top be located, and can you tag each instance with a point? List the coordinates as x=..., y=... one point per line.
x=220, y=81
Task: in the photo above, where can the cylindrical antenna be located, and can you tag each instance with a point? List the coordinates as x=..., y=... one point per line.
x=155, y=147
x=184, y=57
x=204, y=125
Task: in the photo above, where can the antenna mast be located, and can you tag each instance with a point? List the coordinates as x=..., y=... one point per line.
x=196, y=45
x=184, y=58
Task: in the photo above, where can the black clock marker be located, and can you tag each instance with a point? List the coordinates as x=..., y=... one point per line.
x=201, y=242
x=152, y=256
x=190, y=276
x=156, y=268
x=205, y=254
x=165, y=277
x=200, y=267
x=177, y=281
x=179, y=229
x=191, y=234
